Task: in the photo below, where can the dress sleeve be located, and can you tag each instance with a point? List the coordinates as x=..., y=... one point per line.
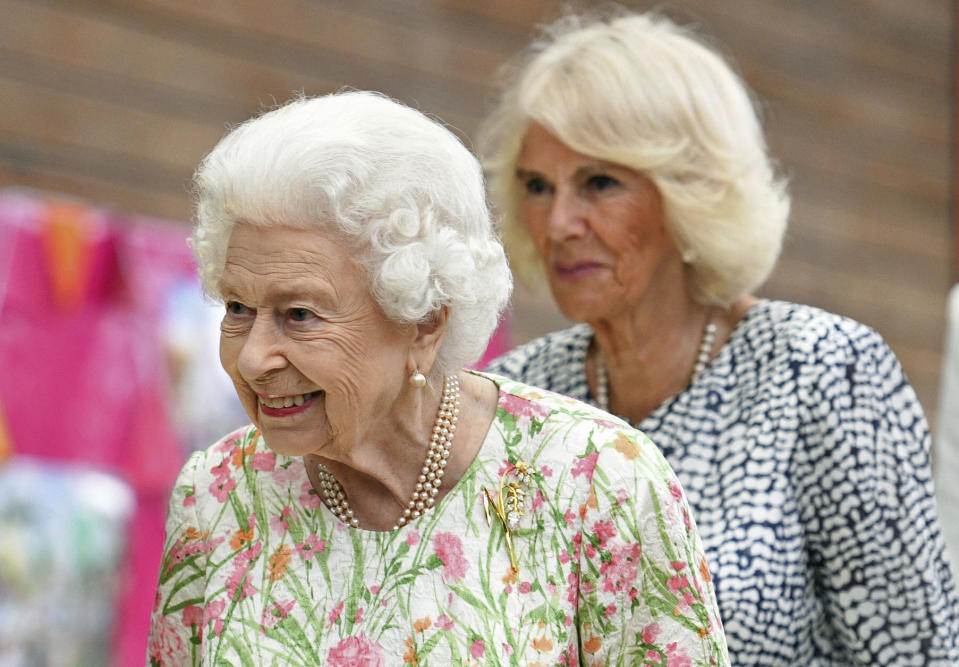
x=865, y=491
x=645, y=591
x=178, y=610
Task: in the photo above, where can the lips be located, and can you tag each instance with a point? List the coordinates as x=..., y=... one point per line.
x=573, y=270
x=282, y=406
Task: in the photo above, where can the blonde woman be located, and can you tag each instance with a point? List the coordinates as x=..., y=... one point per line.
x=632, y=172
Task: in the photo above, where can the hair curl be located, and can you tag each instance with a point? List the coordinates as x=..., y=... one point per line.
x=394, y=185
x=641, y=91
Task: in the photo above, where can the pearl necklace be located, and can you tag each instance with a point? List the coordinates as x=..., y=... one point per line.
x=702, y=359
x=431, y=476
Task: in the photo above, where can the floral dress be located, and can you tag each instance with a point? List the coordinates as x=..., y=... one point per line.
x=568, y=541
x=804, y=454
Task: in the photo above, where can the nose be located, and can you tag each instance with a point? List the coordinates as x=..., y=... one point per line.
x=567, y=216
x=262, y=349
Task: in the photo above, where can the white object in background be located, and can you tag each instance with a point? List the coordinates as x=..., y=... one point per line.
x=946, y=444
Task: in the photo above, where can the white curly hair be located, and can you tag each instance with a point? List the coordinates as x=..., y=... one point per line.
x=392, y=184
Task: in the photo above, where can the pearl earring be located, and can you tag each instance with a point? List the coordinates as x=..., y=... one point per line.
x=417, y=379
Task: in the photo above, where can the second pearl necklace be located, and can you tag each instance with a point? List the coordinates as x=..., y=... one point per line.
x=702, y=360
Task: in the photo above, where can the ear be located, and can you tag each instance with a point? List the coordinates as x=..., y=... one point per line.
x=428, y=338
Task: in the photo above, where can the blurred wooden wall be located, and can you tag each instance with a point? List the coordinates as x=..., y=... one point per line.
x=115, y=102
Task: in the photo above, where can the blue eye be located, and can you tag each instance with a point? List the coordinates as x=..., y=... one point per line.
x=235, y=308
x=602, y=182
x=300, y=314
x=536, y=186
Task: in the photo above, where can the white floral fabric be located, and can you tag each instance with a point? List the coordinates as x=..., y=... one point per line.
x=609, y=567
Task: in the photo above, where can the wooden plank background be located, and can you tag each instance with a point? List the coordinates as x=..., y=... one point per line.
x=115, y=101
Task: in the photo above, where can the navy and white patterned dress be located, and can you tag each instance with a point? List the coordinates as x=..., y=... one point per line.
x=804, y=453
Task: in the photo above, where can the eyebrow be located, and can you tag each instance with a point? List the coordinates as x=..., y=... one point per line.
x=585, y=170
x=291, y=290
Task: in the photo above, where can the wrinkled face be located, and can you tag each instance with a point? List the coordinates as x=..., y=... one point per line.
x=598, y=227
x=313, y=359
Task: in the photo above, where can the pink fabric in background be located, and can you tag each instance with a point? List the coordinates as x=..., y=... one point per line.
x=85, y=381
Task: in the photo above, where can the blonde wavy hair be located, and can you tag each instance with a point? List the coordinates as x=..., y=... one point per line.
x=643, y=92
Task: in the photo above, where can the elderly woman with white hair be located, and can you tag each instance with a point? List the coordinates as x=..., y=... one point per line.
x=631, y=169
x=387, y=506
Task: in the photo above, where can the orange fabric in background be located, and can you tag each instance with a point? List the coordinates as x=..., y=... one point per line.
x=66, y=234
x=6, y=446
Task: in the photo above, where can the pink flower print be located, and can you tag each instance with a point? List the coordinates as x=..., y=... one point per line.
x=309, y=498
x=246, y=557
x=166, y=647
x=280, y=523
x=311, y=546
x=570, y=517
x=444, y=622
x=570, y=657
x=276, y=612
x=538, y=501
x=610, y=610
x=675, y=490
x=264, y=461
x=650, y=633
x=568, y=621
x=677, y=565
x=334, y=615
x=572, y=593
x=449, y=550
x=621, y=569
x=214, y=612
x=192, y=615
x=237, y=578
x=521, y=407
x=590, y=551
x=477, y=649
x=358, y=651
x=676, y=656
x=507, y=649
x=546, y=471
x=653, y=656
x=678, y=582
x=359, y=616
x=525, y=587
x=241, y=564
x=585, y=466
x=221, y=487
x=230, y=442
x=621, y=497
x=288, y=473
x=374, y=590
x=221, y=470
x=189, y=500
x=413, y=538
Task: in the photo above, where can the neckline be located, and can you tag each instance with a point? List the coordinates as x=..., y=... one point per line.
x=489, y=444
x=754, y=311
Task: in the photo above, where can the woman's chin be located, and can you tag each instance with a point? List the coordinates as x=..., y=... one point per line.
x=284, y=445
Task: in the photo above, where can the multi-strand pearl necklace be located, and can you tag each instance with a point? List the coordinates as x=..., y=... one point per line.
x=431, y=476
x=702, y=359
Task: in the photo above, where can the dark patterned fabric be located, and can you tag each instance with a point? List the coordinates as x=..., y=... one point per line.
x=804, y=453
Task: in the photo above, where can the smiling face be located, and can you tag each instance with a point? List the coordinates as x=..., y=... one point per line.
x=315, y=362
x=598, y=227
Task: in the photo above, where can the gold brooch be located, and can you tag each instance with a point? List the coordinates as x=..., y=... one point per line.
x=509, y=502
